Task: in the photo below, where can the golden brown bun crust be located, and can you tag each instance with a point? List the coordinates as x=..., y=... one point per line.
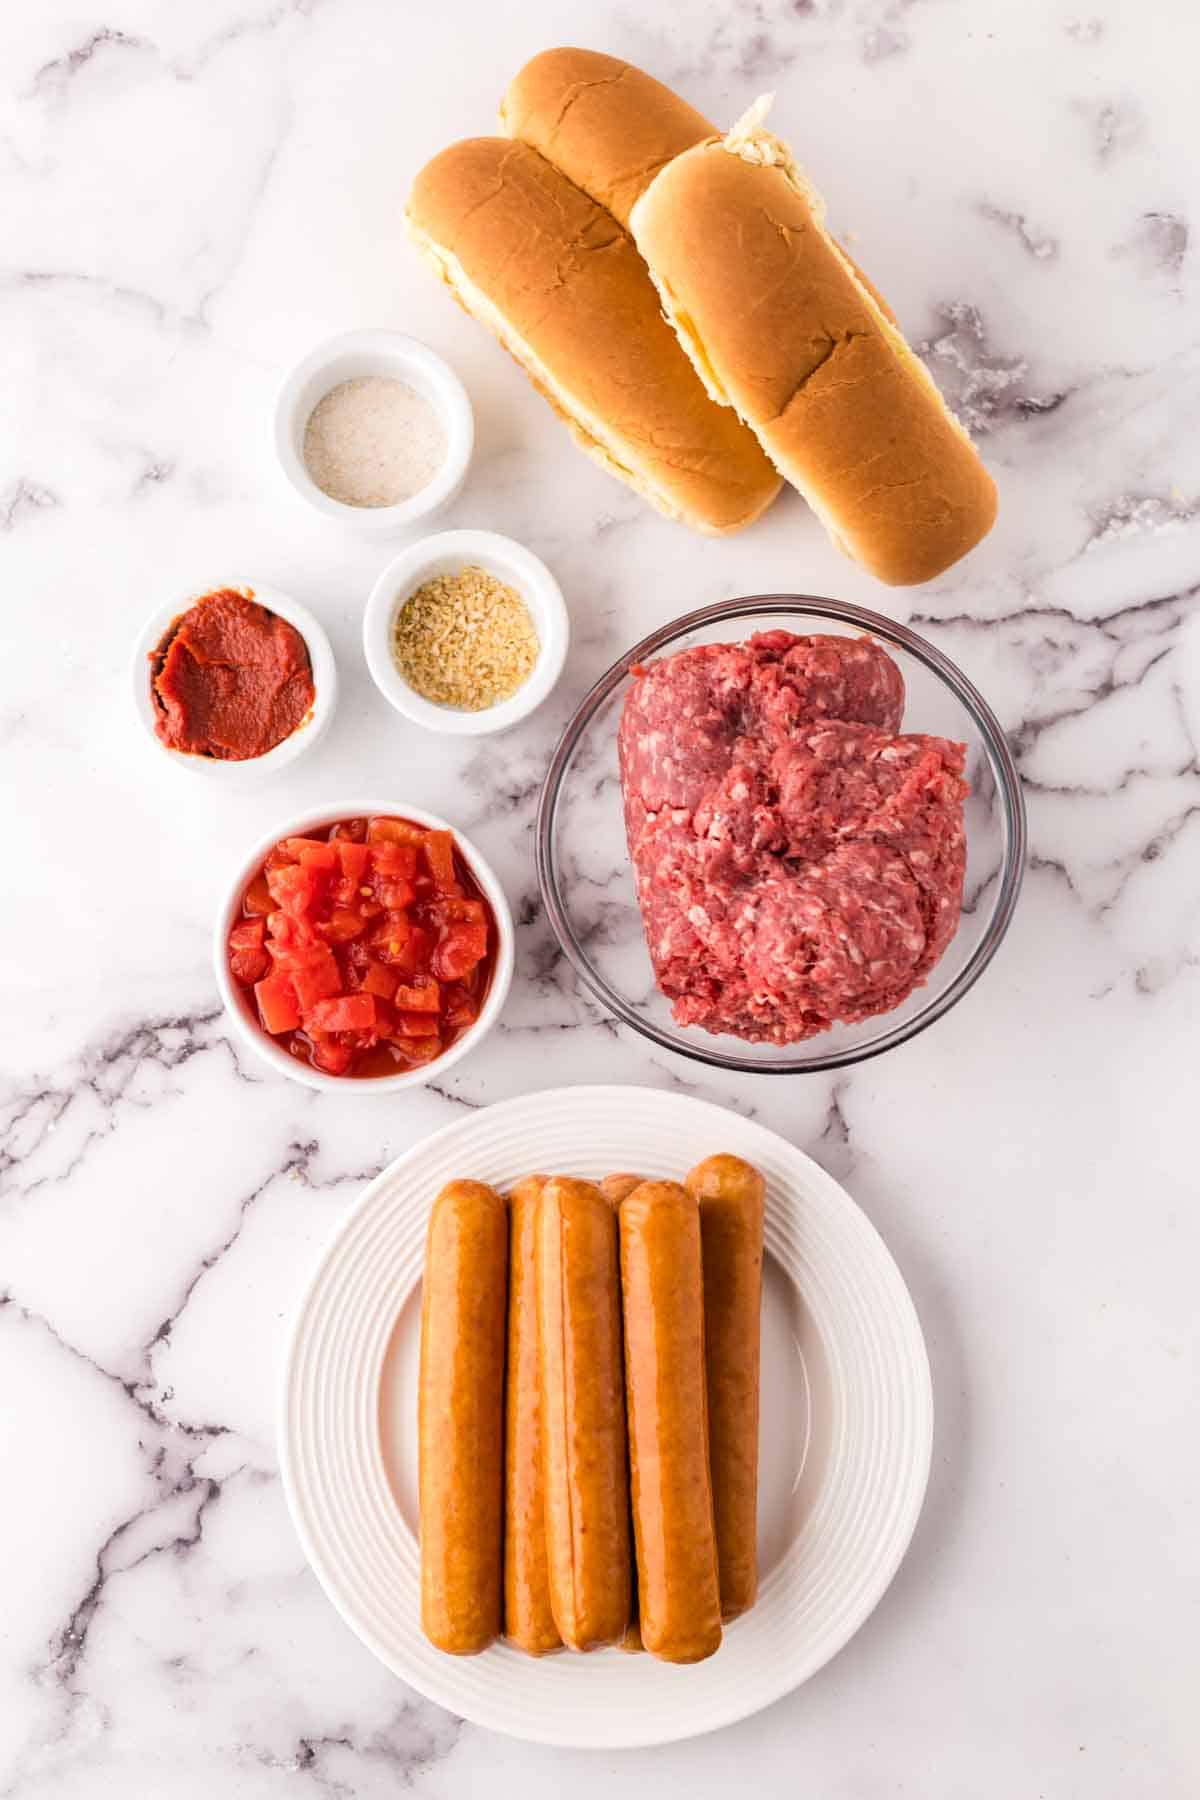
x=839, y=402
x=583, y=318
x=608, y=126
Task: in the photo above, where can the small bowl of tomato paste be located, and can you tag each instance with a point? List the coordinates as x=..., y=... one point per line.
x=364, y=944
x=235, y=680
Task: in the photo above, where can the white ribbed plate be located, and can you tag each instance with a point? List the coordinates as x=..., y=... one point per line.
x=847, y=1420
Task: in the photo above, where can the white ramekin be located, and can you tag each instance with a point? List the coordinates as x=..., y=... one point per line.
x=260, y=1041
x=445, y=554
x=306, y=734
x=350, y=357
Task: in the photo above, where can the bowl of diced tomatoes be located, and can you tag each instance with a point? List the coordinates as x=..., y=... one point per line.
x=371, y=945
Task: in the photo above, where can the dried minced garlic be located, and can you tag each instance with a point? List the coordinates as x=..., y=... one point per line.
x=465, y=640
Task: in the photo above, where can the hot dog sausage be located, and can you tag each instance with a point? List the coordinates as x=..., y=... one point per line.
x=583, y=1414
x=730, y=1195
x=615, y=1188
x=528, y=1618
x=461, y=1417
x=663, y=1294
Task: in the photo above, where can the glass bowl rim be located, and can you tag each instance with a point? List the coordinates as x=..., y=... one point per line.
x=996, y=748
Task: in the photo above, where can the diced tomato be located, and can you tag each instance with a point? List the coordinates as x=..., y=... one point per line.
x=390, y=936
x=346, y=937
x=460, y=912
x=353, y=858
x=257, y=897
x=379, y=981
x=278, y=1007
x=342, y=925
x=413, y=959
x=439, y=854
x=411, y=1025
x=291, y=941
x=248, y=960
x=294, y=889
x=458, y=1007
x=248, y=966
x=459, y=951
x=393, y=893
x=312, y=853
x=427, y=998
x=316, y=979
x=388, y=858
x=394, y=831
x=247, y=934
x=333, y=1055
x=347, y=1012
x=344, y=890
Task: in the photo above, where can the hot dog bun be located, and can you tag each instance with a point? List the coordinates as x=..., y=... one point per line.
x=780, y=327
x=608, y=126
x=561, y=285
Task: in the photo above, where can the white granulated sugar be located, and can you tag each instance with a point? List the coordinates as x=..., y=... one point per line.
x=373, y=442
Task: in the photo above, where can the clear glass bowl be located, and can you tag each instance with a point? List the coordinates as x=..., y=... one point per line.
x=587, y=883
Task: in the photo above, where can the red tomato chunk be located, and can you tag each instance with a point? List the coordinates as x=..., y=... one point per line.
x=387, y=858
x=463, y=948
x=366, y=948
x=349, y=1012
x=278, y=1007
x=426, y=998
x=257, y=898
x=247, y=957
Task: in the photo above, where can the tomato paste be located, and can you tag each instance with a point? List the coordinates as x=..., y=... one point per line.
x=230, y=680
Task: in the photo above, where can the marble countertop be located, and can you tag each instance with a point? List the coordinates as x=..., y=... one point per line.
x=193, y=194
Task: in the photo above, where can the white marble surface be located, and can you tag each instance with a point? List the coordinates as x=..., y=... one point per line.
x=192, y=194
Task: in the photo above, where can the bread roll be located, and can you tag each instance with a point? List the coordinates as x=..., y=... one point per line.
x=780, y=329
x=607, y=126
x=610, y=128
x=560, y=284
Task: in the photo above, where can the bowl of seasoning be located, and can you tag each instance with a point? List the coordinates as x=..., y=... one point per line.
x=234, y=680
x=465, y=632
x=375, y=430
x=365, y=944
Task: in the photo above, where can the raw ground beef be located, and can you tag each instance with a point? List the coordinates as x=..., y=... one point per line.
x=797, y=860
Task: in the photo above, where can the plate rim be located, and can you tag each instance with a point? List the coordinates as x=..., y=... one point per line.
x=785, y=1680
